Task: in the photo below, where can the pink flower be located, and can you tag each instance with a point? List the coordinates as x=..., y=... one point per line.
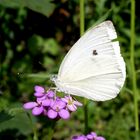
x=71, y=104
x=90, y=136
x=39, y=91
x=43, y=100
x=57, y=109
x=37, y=109
x=48, y=104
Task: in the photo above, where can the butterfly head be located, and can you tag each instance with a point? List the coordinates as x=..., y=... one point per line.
x=53, y=78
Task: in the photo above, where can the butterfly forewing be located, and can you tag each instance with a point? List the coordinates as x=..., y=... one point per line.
x=92, y=61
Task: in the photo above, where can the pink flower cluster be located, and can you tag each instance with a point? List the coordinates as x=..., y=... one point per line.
x=90, y=136
x=48, y=104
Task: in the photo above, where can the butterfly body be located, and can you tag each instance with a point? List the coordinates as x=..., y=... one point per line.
x=93, y=68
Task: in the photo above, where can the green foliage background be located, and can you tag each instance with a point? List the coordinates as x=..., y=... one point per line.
x=34, y=38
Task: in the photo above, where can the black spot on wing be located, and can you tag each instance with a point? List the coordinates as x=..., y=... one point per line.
x=95, y=52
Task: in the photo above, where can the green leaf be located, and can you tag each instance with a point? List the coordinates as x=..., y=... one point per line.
x=44, y=7
x=4, y=116
x=16, y=110
x=35, y=44
x=12, y=3
x=20, y=122
x=51, y=46
x=48, y=62
x=3, y=104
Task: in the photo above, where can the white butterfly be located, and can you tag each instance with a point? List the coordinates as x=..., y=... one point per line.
x=93, y=68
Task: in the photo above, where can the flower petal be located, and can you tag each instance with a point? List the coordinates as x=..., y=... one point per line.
x=51, y=102
x=37, y=110
x=77, y=103
x=50, y=94
x=64, y=100
x=46, y=102
x=38, y=94
x=69, y=97
x=52, y=114
x=61, y=104
x=72, y=107
x=30, y=105
x=81, y=137
x=93, y=134
x=58, y=104
x=39, y=89
x=40, y=99
x=64, y=114
x=90, y=137
x=100, y=138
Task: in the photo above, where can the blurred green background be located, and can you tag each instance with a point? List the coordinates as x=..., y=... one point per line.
x=34, y=38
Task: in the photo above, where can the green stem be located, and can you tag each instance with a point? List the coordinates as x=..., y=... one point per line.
x=82, y=29
x=134, y=79
x=82, y=18
x=86, y=115
x=50, y=133
x=35, y=136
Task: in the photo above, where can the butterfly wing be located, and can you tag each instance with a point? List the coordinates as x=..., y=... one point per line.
x=93, y=68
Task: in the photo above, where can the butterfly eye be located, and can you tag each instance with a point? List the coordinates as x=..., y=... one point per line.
x=95, y=52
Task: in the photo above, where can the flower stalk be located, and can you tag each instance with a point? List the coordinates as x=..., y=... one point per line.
x=134, y=79
x=82, y=29
x=82, y=18
x=35, y=136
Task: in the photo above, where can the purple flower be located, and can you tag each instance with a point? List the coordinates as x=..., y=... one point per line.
x=39, y=91
x=57, y=109
x=90, y=136
x=50, y=94
x=48, y=104
x=100, y=138
x=81, y=137
x=37, y=109
x=42, y=101
x=71, y=104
